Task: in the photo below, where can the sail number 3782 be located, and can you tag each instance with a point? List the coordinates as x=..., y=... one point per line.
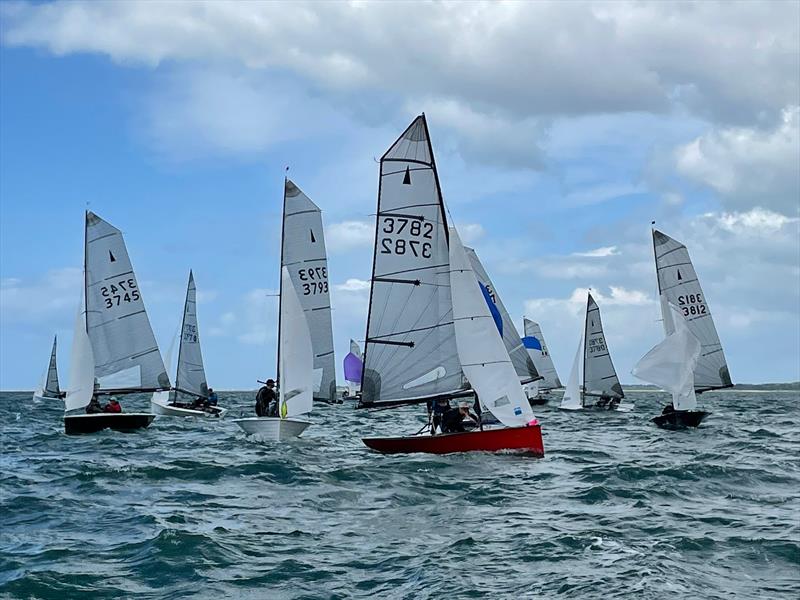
x=414, y=232
x=121, y=291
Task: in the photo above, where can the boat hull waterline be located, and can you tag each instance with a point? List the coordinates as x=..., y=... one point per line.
x=272, y=428
x=681, y=419
x=78, y=424
x=526, y=439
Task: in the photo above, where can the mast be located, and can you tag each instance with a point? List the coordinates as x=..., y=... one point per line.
x=183, y=326
x=585, y=346
x=280, y=289
x=86, y=269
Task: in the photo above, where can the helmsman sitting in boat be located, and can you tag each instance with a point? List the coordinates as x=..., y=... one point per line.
x=453, y=419
x=266, y=400
x=609, y=402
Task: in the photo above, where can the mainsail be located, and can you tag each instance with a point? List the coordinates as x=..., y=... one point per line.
x=523, y=365
x=410, y=349
x=295, y=368
x=537, y=350
x=126, y=355
x=678, y=285
x=303, y=253
x=599, y=376
x=481, y=350
x=191, y=376
x=51, y=383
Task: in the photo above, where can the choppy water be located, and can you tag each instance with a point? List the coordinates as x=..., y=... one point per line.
x=617, y=509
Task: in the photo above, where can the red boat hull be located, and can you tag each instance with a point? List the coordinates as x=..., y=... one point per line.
x=525, y=439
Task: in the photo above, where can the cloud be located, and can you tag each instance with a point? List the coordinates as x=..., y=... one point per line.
x=53, y=296
x=353, y=285
x=599, y=252
x=748, y=166
x=348, y=235
x=470, y=232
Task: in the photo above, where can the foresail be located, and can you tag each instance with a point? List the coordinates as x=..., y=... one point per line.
x=523, y=365
x=410, y=348
x=571, y=400
x=295, y=371
x=481, y=349
x=537, y=350
x=80, y=385
x=599, y=376
x=191, y=376
x=125, y=351
x=51, y=385
x=678, y=282
x=303, y=253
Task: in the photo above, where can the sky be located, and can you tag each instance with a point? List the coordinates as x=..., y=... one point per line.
x=561, y=130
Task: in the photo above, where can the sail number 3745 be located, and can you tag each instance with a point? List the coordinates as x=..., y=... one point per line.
x=123, y=290
x=414, y=232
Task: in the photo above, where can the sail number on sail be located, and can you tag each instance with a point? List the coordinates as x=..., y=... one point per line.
x=692, y=304
x=190, y=333
x=316, y=280
x=123, y=291
x=491, y=293
x=597, y=344
x=406, y=229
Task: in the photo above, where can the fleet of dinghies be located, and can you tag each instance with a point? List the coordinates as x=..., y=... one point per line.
x=437, y=330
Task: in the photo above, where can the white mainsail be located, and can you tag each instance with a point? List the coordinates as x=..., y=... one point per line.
x=537, y=350
x=671, y=363
x=483, y=355
x=81, y=366
x=410, y=349
x=51, y=382
x=296, y=364
x=599, y=376
x=191, y=376
x=125, y=350
x=678, y=284
x=572, y=399
x=523, y=365
x=303, y=253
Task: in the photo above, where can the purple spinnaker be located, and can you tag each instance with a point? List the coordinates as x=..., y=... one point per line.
x=352, y=368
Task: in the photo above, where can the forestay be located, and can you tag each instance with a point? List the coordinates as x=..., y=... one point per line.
x=537, y=350
x=678, y=283
x=410, y=351
x=191, y=376
x=481, y=350
x=523, y=365
x=599, y=376
x=125, y=351
x=295, y=369
x=303, y=253
x=51, y=383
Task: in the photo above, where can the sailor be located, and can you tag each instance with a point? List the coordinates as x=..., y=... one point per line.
x=437, y=408
x=113, y=406
x=452, y=420
x=668, y=409
x=267, y=401
x=212, y=397
x=93, y=406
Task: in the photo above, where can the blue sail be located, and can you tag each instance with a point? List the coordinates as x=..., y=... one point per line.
x=531, y=343
x=498, y=320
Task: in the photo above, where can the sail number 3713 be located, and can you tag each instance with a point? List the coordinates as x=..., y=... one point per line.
x=412, y=232
x=123, y=290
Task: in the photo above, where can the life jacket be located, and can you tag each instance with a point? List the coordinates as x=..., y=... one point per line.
x=113, y=408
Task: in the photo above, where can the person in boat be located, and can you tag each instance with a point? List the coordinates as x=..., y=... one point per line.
x=212, y=397
x=267, y=400
x=94, y=406
x=113, y=406
x=668, y=409
x=453, y=419
x=436, y=409
x=607, y=402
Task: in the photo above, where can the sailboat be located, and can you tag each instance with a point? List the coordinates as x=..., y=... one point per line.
x=295, y=371
x=303, y=253
x=423, y=342
x=49, y=390
x=593, y=382
x=353, y=365
x=190, y=378
x=539, y=391
x=685, y=314
x=114, y=350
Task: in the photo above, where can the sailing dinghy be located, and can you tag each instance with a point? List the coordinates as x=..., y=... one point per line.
x=49, y=390
x=353, y=365
x=295, y=371
x=429, y=327
x=190, y=378
x=539, y=391
x=114, y=350
x=593, y=382
x=687, y=319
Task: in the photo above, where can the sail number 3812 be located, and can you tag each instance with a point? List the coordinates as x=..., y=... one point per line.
x=413, y=234
x=692, y=304
x=123, y=290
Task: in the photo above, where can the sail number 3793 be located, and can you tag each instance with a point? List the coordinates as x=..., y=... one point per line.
x=123, y=290
x=412, y=232
x=314, y=280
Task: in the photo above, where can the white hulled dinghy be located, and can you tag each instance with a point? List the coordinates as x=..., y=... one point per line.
x=189, y=396
x=114, y=350
x=593, y=382
x=49, y=389
x=303, y=254
x=295, y=371
x=411, y=351
x=539, y=391
x=679, y=289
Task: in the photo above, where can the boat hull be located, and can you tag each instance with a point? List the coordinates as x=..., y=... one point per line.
x=621, y=407
x=159, y=404
x=78, y=424
x=42, y=398
x=526, y=439
x=681, y=419
x=273, y=428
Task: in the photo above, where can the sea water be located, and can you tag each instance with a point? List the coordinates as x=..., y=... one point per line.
x=193, y=508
